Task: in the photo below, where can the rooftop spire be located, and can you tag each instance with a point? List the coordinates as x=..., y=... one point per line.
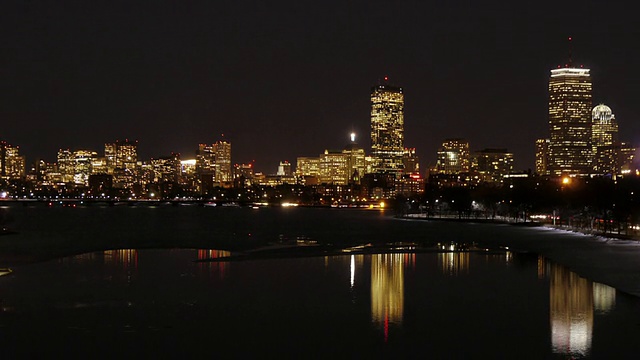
x=570, y=59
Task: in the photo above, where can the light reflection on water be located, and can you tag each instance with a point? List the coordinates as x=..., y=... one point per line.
x=454, y=263
x=571, y=312
x=387, y=290
x=213, y=267
x=574, y=302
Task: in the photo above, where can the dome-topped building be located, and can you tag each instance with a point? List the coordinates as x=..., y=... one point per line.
x=602, y=113
x=604, y=137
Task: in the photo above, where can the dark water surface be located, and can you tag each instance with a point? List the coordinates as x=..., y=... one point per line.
x=159, y=302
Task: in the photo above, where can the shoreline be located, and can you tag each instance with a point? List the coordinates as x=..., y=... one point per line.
x=603, y=258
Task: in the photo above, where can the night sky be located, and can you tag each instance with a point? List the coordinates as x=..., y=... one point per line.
x=282, y=79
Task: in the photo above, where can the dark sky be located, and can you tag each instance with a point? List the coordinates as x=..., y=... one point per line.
x=283, y=79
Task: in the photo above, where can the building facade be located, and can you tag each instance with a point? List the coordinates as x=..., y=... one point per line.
x=453, y=157
x=222, y=150
x=492, y=165
x=570, y=148
x=12, y=164
x=387, y=129
x=604, y=140
x=356, y=160
x=542, y=156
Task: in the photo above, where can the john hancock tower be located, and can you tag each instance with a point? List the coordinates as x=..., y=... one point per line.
x=387, y=129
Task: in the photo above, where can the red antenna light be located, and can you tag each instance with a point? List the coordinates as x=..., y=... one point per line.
x=386, y=78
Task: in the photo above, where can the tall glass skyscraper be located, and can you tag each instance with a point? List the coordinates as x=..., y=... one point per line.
x=604, y=140
x=387, y=128
x=570, y=149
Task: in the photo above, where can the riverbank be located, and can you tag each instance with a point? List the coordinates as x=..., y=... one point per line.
x=47, y=233
x=611, y=260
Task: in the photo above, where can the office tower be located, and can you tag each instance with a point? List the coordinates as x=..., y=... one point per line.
x=222, y=151
x=110, y=156
x=626, y=159
x=121, y=160
x=570, y=150
x=126, y=154
x=542, y=156
x=356, y=164
x=604, y=140
x=453, y=157
x=410, y=161
x=83, y=166
x=166, y=169
x=284, y=169
x=492, y=165
x=387, y=128
x=12, y=164
x=65, y=165
x=333, y=168
x=307, y=166
x=99, y=166
x=205, y=160
x=76, y=166
x=243, y=174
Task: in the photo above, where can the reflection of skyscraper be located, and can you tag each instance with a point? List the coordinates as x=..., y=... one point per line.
x=387, y=128
x=570, y=121
x=571, y=312
x=454, y=262
x=387, y=290
x=356, y=263
x=604, y=298
x=218, y=267
x=124, y=258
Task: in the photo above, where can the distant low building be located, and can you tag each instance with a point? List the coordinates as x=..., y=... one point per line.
x=492, y=165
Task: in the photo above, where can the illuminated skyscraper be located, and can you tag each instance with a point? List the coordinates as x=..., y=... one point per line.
x=308, y=166
x=604, y=137
x=333, y=168
x=356, y=163
x=222, y=151
x=387, y=128
x=110, y=156
x=205, y=159
x=627, y=162
x=411, y=161
x=542, y=156
x=453, y=157
x=83, y=166
x=122, y=162
x=284, y=169
x=12, y=164
x=65, y=165
x=75, y=166
x=126, y=154
x=166, y=169
x=570, y=148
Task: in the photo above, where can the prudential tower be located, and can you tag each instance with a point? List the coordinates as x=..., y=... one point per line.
x=570, y=149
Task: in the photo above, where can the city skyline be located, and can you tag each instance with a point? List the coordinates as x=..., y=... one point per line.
x=289, y=80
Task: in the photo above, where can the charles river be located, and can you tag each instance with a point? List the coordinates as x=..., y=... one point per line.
x=125, y=281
